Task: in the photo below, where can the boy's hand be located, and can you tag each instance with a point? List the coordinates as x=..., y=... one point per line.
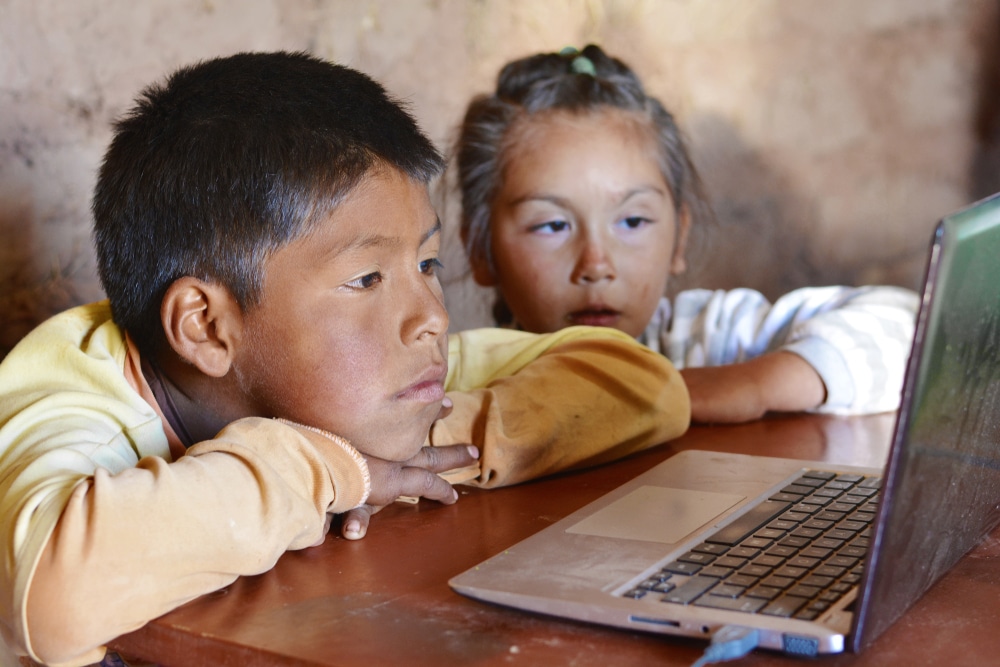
x=778, y=381
x=416, y=477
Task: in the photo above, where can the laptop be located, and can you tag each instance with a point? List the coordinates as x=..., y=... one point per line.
x=817, y=558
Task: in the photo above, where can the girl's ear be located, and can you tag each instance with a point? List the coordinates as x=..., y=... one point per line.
x=202, y=323
x=482, y=273
x=678, y=263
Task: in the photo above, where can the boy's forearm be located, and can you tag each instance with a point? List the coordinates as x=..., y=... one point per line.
x=132, y=546
x=586, y=401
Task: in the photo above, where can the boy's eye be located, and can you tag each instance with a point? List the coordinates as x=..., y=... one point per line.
x=366, y=281
x=431, y=266
x=550, y=227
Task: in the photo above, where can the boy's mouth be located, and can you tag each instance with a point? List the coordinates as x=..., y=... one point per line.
x=595, y=317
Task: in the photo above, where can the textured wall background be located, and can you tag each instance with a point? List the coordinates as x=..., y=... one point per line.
x=831, y=135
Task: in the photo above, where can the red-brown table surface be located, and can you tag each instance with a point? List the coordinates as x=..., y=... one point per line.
x=384, y=600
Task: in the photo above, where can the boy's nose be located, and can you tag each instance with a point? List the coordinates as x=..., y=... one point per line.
x=594, y=264
x=428, y=317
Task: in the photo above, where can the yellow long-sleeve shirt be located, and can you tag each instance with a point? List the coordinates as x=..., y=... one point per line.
x=109, y=523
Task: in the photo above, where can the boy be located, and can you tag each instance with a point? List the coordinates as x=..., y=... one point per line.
x=273, y=352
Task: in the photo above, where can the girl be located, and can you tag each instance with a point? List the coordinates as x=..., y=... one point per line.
x=578, y=194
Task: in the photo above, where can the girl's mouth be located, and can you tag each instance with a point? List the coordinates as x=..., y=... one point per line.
x=595, y=317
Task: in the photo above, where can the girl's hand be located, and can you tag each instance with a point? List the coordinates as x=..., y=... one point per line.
x=416, y=477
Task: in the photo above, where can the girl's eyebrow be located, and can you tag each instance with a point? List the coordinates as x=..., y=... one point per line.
x=563, y=202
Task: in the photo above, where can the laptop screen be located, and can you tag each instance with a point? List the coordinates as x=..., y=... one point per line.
x=941, y=487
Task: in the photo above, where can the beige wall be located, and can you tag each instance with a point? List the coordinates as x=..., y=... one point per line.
x=831, y=133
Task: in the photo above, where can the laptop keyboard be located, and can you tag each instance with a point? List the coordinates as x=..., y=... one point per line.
x=793, y=555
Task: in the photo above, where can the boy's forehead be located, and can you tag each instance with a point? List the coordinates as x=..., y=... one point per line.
x=386, y=209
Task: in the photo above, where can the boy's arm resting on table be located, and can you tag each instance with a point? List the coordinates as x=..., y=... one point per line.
x=130, y=546
x=538, y=404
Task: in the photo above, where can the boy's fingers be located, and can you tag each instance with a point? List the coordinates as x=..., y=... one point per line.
x=355, y=523
x=440, y=459
x=423, y=483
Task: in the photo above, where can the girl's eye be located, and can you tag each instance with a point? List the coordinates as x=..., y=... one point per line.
x=366, y=281
x=431, y=266
x=551, y=227
x=634, y=222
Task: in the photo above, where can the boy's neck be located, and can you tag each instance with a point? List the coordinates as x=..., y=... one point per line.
x=176, y=388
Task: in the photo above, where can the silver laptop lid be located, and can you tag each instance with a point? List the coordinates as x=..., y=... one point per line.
x=941, y=486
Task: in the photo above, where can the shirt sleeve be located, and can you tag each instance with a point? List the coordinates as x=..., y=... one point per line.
x=101, y=535
x=857, y=339
x=537, y=404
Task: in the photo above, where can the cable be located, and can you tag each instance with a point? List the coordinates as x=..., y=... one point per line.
x=728, y=643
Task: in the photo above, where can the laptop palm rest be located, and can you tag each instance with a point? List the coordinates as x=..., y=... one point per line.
x=640, y=514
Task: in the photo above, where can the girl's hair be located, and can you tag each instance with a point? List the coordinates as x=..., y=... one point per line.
x=576, y=81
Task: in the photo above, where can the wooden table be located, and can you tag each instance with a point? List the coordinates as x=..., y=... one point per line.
x=384, y=600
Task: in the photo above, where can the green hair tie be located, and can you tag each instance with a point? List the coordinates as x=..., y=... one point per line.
x=581, y=64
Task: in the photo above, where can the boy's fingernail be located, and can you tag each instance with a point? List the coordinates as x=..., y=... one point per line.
x=473, y=451
x=352, y=529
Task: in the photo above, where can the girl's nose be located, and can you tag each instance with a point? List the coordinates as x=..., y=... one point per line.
x=594, y=264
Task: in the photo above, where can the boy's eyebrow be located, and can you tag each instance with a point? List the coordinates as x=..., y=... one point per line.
x=373, y=239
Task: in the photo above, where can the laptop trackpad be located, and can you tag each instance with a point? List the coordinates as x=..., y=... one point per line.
x=656, y=514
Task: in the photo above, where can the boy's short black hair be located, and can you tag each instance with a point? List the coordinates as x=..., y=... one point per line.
x=227, y=161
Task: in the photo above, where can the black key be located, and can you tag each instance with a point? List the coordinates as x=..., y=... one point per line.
x=819, y=474
x=795, y=517
x=769, y=533
x=829, y=515
x=809, y=481
x=795, y=542
x=828, y=543
x=735, y=532
x=803, y=561
x=806, y=508
x=716, y=549
x=842, y=486
x=817, y=580
x=757, y=542
x=852, y=551
x=783, y=606
x=852, y=525
x=815, y=552
x=743, y=552
x=635, y=593
x=678, y=567
x=829, y=571
x=769, y=560
x=774, y=581
x=698, y=557
x=871, y=483
x=807, y=533
x=663, y=587
x=806, y=614
x=715, y=571
x=818, y=524
x=728, y=590
x=789, y=571
x=842, y=561
x=729, y=561
x=840, y=534
x=742, y=580
x=859, y=491
x=828, y=493
x=780, y=524
x=786, y=497
x=690, y=590
x=803, y=591
x=756, y=570
x=781, y=551
x=797, y=489
x=764, y=592
x=746, y=604
x=849, y=477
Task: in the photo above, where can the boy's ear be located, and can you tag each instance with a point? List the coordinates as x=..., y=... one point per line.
x=678, y=263
x=201, y=322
